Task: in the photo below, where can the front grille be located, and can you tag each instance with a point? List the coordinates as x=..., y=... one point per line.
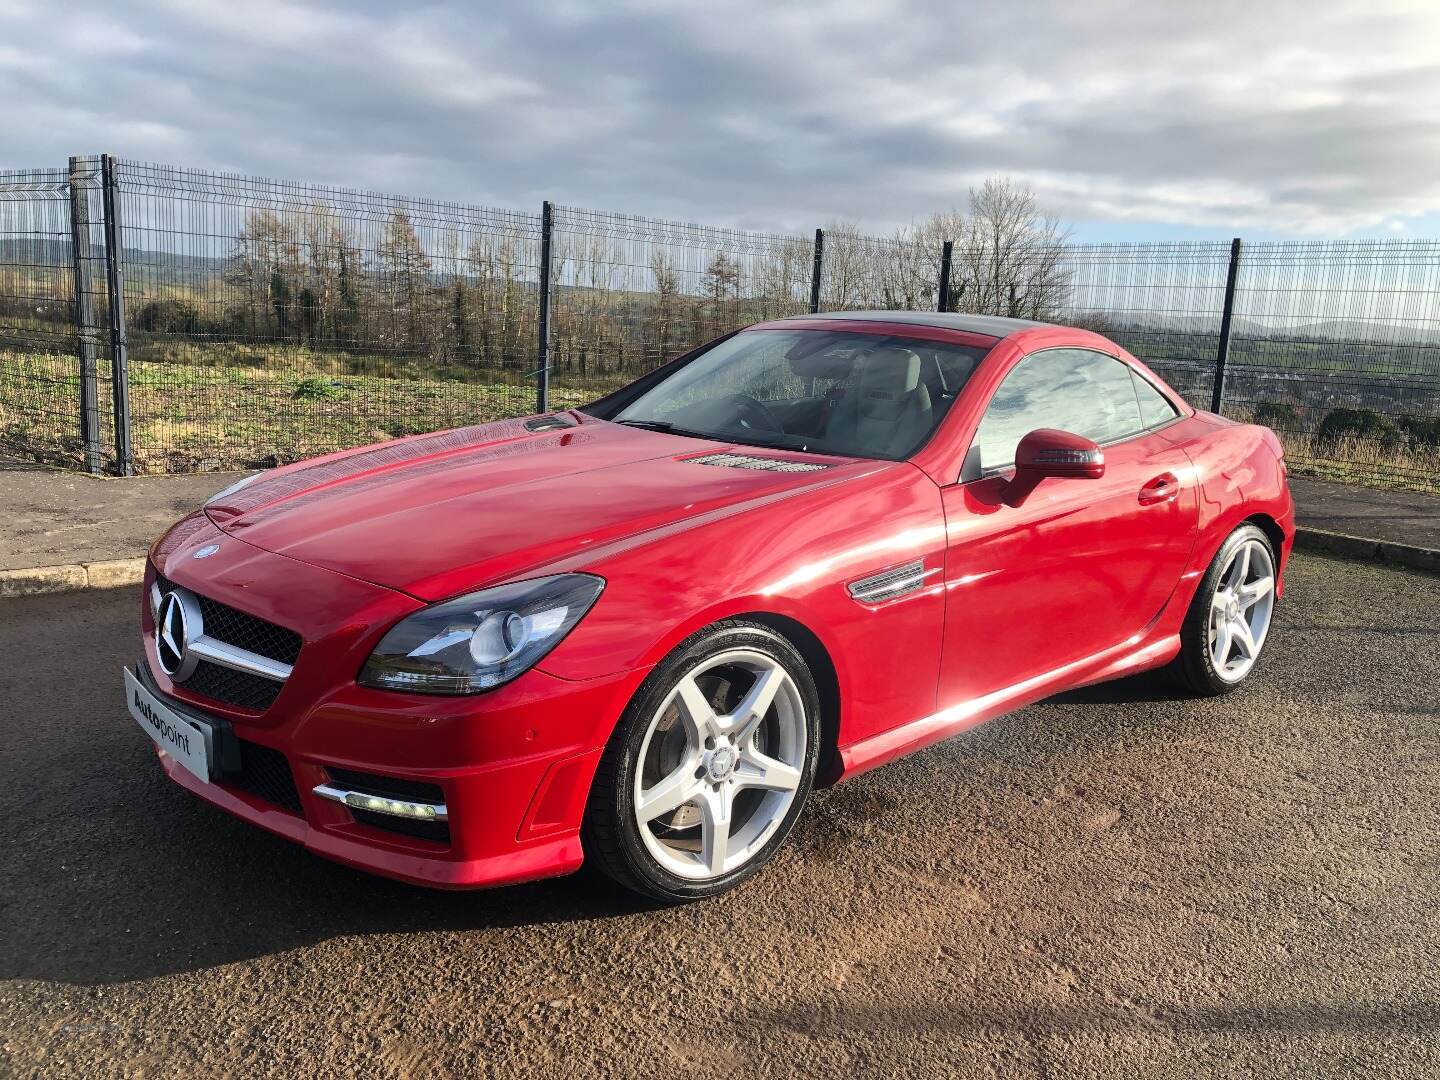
x=248, y=632
x=265, y=773
x=238, y=688
x=394, y=787
x=244, y=631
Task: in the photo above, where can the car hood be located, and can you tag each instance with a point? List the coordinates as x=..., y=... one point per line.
x=435, y=515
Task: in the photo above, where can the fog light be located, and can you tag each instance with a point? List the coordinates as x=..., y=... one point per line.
x=382, y=804
x=390, y=806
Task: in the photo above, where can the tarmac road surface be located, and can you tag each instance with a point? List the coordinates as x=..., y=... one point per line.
x=1115, y=883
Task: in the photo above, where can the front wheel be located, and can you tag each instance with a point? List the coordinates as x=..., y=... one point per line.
x=709, y=767
x=1229, y=619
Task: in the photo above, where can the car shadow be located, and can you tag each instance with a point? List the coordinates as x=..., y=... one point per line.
x=203, y=890
x=141, y=879
x=1150, y=686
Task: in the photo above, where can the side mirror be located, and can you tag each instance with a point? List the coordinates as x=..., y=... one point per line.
x=1048, y=452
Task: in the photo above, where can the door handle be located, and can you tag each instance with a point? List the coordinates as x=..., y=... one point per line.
x=1161, y=489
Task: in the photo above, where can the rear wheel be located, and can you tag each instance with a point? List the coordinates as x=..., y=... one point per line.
x=1229, y=619
x=709, y=768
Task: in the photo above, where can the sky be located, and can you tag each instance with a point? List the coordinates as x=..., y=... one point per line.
x=1173, y=119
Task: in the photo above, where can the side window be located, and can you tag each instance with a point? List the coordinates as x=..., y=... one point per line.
x=1074, y=390
x=1155, y=408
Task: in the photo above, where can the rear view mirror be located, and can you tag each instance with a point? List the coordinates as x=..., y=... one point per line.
x=1050, y=452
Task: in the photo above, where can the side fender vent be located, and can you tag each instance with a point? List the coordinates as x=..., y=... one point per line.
x=889, y=584
x=763, y=464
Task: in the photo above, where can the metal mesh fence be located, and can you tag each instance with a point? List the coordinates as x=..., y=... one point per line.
x=631, y=292
x=1336, y=345
x=270, y=321
x=879, y=273
x=1162, y=302
x=39, y=370
x=267, y=321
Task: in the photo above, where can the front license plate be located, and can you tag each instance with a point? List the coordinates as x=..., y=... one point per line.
x=185, y=740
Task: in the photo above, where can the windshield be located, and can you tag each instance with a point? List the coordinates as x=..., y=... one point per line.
x=857, y=395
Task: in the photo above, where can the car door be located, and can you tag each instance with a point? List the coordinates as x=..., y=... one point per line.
x=1081, y=565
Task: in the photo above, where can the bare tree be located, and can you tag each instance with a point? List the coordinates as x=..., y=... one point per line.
x=659, y=326
x=265, y=267
x=1009, y=257
x=720, y=286
x=846, y=281
x=403, y=258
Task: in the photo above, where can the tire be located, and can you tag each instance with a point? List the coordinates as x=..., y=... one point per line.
x=736, y=785
x=1251, y=600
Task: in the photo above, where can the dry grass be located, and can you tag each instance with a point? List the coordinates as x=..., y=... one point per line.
x=198, y=405
x=187, y=417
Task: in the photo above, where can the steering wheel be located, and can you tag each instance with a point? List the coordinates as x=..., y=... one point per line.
x=753, y=413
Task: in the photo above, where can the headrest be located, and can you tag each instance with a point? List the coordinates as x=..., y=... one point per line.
x=820, y=363
x=888, y=376
x=891, y=369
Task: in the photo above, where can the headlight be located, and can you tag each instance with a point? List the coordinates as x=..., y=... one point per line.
x=233, y=488
x=480, y=640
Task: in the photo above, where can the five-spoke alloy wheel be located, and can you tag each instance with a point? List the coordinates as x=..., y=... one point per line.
x=1240, y=609
x=1229, y=619
x=710, y=767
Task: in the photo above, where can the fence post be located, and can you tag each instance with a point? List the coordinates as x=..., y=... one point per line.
x=115, y=290
x=816, y=270
x=542, y=385
x=1222, y=349
x=946, y=254
x=84, y=316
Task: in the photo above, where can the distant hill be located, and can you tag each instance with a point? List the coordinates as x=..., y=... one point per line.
x=29, y=251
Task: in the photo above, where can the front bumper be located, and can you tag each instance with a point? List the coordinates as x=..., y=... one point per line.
x=509, y=820
x=513, y=765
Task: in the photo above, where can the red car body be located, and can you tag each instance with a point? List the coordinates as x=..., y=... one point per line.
x=1081, y=582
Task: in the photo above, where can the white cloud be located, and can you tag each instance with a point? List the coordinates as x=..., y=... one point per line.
x=1306, y=119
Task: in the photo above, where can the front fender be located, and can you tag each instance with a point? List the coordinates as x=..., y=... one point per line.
x=793, y=560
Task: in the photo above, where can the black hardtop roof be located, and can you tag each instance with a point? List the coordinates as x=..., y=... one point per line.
x=996, y=326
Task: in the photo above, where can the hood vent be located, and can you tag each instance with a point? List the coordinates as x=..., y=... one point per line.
x=549, y=423
x=762, y=464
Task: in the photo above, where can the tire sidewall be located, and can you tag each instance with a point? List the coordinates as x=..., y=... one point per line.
x=632, y=730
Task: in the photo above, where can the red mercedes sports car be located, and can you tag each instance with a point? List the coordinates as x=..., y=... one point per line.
x=640, y=632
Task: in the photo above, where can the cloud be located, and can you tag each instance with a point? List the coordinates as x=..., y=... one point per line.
x=1286, y=118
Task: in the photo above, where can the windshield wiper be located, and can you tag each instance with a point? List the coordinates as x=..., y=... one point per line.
x=779, y=440
x=665, y=426
x=775, y=440
x=649, y=425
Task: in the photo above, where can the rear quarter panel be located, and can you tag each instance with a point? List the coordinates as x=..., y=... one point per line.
x=1240, y=475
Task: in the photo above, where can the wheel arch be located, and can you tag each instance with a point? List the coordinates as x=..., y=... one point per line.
x=827, y=684
x=1272, y=530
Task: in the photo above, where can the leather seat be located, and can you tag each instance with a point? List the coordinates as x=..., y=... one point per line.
x=887, y=410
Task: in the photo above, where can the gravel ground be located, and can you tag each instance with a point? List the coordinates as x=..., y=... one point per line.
x=1115, y=883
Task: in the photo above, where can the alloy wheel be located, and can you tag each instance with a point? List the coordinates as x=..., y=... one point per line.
x=1240, y=610
x=720, y=764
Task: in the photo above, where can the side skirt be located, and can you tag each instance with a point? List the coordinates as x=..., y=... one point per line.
x=1141, y=653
